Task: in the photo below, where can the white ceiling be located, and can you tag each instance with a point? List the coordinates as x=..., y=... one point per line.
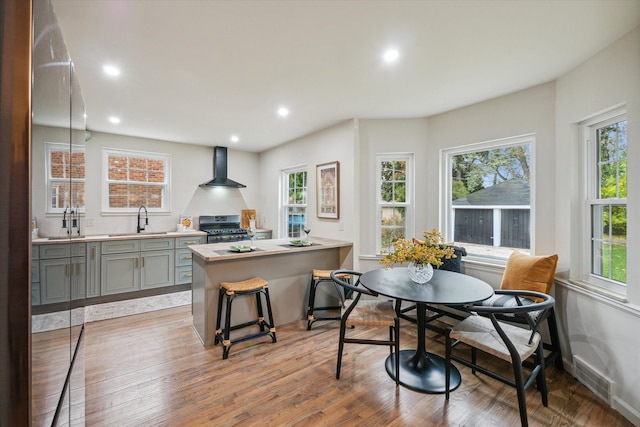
x=200, y=71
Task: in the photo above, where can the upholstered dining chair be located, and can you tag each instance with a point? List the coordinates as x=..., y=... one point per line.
x=483, y=331
x=532, y=273
x=368, y=312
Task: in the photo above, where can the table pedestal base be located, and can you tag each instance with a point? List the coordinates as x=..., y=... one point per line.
x=422, y=372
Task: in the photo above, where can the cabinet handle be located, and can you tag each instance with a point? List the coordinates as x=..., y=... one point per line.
x=188, y=275
x=66, y=269
x=188, y=257
x=191, y=242
x=142, y=262
x=136, y=262
x=93, y=253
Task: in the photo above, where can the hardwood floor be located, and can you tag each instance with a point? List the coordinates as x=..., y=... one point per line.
x=151, y=370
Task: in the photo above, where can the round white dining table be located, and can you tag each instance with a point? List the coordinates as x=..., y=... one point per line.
x=420, y=370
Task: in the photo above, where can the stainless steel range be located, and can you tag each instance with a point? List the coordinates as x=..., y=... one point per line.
x=222, y=228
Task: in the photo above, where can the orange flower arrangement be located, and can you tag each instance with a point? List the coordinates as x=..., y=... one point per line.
x=431, y=251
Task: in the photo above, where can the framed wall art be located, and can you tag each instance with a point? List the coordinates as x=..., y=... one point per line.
x=328, y=190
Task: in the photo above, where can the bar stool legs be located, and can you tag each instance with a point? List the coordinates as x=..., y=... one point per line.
x=229, y=291
x=319, y=277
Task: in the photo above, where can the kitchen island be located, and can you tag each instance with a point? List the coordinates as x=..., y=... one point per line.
x=287, y=268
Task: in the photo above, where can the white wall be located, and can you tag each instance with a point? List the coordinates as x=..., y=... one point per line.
x=191, y=165
x=529, y=111
x=390, y=136
x=602, y=332
x=332, y=144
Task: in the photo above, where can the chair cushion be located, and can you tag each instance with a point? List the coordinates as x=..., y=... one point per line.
x=479, y=332
x=375, y=312
x=497, y=300
x=528, y=272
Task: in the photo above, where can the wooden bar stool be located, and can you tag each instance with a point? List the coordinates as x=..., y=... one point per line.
x=254, y=286
x=319, y=277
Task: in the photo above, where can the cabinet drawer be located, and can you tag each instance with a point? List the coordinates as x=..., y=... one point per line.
x=183, y=275
x=55, y=251
x=183, y=242
x=156, y=244
x=120, y=246
x=183, y=257
x=78, y=249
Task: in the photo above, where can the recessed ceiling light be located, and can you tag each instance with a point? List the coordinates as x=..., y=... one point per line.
x=114, y=120
x=234, y=138
x=390, y=56
x=283, y=111
x=111, y=70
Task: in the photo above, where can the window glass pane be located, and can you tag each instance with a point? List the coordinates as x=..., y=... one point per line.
x=295, y=205
x=392, y=224
x=609, y=248
x=612, y=165
x=136, y=180
x=393, y=178
x=386, y=193
x=66, y=177
x=490, y=198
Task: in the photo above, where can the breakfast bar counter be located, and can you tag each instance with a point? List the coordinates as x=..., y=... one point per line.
x=286, y=267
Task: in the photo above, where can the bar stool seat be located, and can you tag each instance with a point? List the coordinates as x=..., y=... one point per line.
x=230, y=290
x=319, y=277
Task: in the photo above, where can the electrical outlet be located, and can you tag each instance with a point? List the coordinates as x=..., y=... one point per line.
x=88, y=222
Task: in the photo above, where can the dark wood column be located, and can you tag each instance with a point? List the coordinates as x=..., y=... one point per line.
x=15, y=213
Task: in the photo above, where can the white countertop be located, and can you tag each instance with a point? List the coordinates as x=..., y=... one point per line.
x=221, y=251
x=115, y=236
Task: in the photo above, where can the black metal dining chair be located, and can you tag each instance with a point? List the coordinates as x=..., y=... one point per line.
x=483, y=331
x=365, y=312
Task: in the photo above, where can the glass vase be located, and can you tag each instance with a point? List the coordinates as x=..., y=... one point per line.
x=420, y=273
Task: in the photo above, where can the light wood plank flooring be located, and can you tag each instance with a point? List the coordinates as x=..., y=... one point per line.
x=151, y=370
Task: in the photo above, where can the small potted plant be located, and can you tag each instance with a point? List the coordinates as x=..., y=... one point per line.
x=422, y=256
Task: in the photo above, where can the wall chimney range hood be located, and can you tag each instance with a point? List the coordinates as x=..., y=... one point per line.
x=220, y=171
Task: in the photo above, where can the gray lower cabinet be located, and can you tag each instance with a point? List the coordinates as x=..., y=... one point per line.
x=54, y=280
x=93, y=269
x=78, y=278
x=62, y=272
x=157, y=269
x=184, y=255
x=35, y=275
x=119, y=266
x=119, y=273
x=132, y=265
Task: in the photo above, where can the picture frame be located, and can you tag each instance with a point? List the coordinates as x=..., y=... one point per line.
x=187, y=222
x=328, y=190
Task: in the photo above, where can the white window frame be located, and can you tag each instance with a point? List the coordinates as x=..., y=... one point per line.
x=58, y=146
x=285, y=205
x=409, y=203
x=492, y=254
x=106, y=152
x=589, y=196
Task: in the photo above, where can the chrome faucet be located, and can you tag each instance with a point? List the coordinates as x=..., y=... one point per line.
x=146, y=219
